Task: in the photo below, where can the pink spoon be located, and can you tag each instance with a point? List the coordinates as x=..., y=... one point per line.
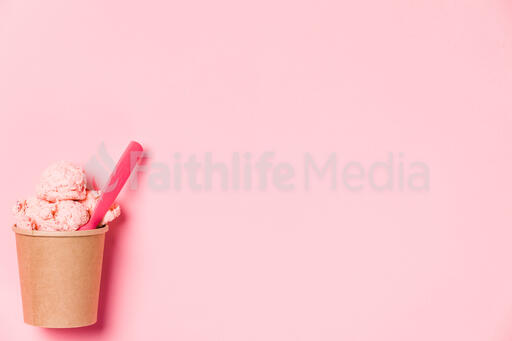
x=121, y=173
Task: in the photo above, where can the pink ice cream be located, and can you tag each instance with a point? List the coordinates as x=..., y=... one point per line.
x=62, y=204
x=37, y=214
x=92, y=199
x=62, y=181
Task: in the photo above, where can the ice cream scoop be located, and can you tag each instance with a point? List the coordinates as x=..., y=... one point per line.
x=90, y=202
x=128, y=161
x=62, y=181
x=38, y=214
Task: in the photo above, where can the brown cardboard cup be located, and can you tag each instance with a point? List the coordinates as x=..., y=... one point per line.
x=60, y=274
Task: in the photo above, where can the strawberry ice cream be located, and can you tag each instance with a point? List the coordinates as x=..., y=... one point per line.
x=38, y=214
x=62, y=204
x=92, y=199
x=62, y=181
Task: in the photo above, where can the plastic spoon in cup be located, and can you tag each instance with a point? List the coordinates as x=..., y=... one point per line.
x=118, y=178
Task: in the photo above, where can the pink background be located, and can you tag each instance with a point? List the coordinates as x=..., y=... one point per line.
x=431, y=79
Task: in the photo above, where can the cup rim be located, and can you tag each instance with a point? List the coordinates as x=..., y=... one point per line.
x=34, y=233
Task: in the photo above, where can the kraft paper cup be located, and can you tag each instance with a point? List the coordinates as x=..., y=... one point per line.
x=60, y=274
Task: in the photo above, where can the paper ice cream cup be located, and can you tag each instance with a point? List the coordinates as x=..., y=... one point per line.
x=60, y=274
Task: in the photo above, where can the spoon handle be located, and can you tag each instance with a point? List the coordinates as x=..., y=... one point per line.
x=131, y=156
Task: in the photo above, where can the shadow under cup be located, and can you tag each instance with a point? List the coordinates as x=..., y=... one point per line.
x=60, y=275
